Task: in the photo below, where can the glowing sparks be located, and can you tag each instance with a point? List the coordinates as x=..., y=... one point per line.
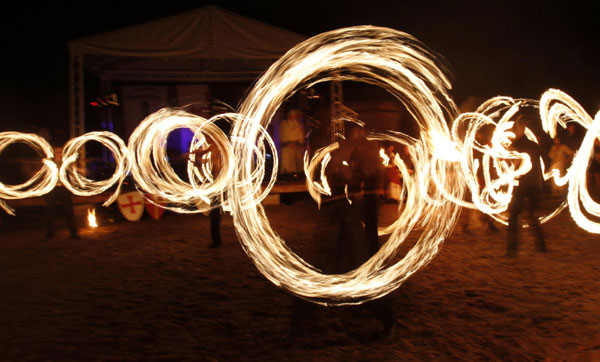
x=91, y=217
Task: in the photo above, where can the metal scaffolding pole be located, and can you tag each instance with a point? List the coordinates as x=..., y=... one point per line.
x=107, y=115
x=76, y=103
x=336, y=115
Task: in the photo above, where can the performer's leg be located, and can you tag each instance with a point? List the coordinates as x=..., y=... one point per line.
x=302, y=312
x=67, y=204
x=384, y=311
x=535, y=223
x=370, y=215
x=516, y=205
x=51, y=209
x=215, y=226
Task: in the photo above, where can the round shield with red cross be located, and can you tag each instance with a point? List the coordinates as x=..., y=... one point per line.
x=131, y=205
x=153, y=207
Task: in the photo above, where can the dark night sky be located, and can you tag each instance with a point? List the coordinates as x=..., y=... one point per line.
x=510, y=48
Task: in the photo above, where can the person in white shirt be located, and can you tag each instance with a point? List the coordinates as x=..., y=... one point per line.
x=291, y=136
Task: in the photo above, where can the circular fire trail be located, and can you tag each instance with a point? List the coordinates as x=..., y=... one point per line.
x=39, y=184
x=80, y=185
x=398, y=63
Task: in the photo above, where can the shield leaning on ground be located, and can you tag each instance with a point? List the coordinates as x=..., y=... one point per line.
x=153, y=207
x=131, y=205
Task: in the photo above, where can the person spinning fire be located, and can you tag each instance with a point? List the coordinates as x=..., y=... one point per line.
x=530, y=188
x=59, y=201
x=210, y=154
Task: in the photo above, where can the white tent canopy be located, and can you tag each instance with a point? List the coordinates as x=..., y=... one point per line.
x=205, y=33
x=208, y=44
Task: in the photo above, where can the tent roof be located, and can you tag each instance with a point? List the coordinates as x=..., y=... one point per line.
x=207, y=39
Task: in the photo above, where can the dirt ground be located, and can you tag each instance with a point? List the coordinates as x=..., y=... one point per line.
x=152, y=290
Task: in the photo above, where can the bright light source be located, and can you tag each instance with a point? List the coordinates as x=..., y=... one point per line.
x=91, y=216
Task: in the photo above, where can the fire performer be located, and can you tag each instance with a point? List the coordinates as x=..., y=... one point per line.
x=355, y=175
x=59, y=199
x=367, y=176
x=211, y=154
x=530, y=187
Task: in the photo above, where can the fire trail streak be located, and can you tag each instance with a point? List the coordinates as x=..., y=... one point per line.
x=556, y=107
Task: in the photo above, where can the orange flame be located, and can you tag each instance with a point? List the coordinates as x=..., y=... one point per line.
x=91, y=216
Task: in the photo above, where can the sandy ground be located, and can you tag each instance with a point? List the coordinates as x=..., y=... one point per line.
x=152, y=290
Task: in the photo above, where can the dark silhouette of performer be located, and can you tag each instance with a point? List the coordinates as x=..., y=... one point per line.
x=530, y=188
x=593, y=173
x=355, y=175
x=215, y=212
x=215, y=226
x=367, y=180
x=353, y=203
x=59, y=200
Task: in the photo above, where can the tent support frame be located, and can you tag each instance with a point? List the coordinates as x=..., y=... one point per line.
x=76, y=101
